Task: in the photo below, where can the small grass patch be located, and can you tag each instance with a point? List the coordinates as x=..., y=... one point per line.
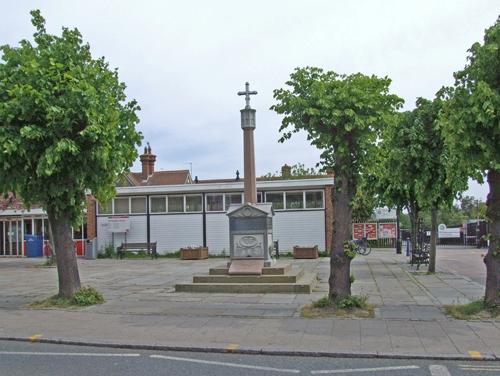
x=353, y=306
x=476, y=310
x=86, y=296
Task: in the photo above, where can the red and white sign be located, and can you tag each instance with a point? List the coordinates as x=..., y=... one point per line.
x=119, y=223
x=387, y=230
x=361, y=230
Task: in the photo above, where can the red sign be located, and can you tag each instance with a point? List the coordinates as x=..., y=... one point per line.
x=361, y=230
x=371, y=231
x=387, y=230
x=358, y=230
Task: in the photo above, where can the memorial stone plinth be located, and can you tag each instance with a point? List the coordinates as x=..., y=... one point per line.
x=251, y=232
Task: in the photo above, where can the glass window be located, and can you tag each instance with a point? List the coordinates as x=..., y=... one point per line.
x=138, y=205
x=214, y=203
x=294, y=200
x=175, y=204
x=159, y=204
x=105, y=208
x=232, y=198
x=38, y=227
x=259, y=196
x=77, y=233
x=314, y=199
x=276, y=199
x=121, y=205
x=46, y=232
x=193, y=204
x=27, y=227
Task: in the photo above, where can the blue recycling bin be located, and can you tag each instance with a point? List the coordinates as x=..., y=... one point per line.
x=34, y=245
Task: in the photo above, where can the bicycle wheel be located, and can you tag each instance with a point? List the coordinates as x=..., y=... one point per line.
x=367, y=249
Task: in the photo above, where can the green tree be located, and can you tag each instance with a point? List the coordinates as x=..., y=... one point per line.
x=470, y=122
x=65, y=128
x=341, y=115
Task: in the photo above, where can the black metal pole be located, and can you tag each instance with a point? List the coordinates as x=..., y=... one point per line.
x=148, y=224
x=398, y=231
x=204, y=216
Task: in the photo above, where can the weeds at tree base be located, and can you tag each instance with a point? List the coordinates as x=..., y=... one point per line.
x=475, y=310
x=353, y=306
x=86, y=296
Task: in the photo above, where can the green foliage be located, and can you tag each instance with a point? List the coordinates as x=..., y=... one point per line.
x=109, y=252
x=65, y=125
x=88, y=296
x=85, y=296
x=472, y=208
x=353, y=301
x=349, y=249
x=475, y=309
x=341, y=115
x=352, y=278
x=470, y=120
x=322, y=303
x=298, y=171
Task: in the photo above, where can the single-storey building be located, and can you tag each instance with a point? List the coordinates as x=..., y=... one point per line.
x=175, y=210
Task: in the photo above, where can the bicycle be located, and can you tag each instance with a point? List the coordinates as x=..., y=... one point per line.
x=362, y=246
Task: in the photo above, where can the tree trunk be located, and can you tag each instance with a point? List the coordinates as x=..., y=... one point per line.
x=432, y=253
x=492, y=258
x=340, y=264
x=398, y=231
x=413, y=213
x=67, y=267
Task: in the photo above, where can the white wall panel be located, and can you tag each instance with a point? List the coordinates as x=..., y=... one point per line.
x=218, y=233
x=137, y=233
x=299, y=228
x=173, y=232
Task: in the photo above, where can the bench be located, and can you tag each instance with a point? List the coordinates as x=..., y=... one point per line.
x=136, y=247
x=420, y=256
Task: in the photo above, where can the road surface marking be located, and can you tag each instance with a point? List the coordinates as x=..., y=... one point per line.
x=477, y=367
x=64, y=354
x=353, y=370
x=231, y=347
x=224, y=364
x=34, y=337
x=437, y=370
x=475, y=354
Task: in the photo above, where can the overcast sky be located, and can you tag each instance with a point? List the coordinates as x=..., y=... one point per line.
x=184, y=62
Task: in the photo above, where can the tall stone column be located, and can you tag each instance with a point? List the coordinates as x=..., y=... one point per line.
x=248, y=126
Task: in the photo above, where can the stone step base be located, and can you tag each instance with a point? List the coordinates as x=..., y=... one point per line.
x=279, y=269
x=304, y=285
x=291, y=277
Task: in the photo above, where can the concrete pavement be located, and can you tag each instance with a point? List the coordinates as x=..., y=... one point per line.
x=142, y=309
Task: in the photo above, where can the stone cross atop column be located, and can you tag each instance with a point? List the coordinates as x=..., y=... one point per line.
x=248, y=126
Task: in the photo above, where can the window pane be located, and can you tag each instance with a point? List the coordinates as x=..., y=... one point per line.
x=38, y=227
x=259, y=196
x=314, y=199
x=46, y=233
x=77, y=233
x=138, y=204
x=121, y=206
x=175, y=204
x=214, y=203
x=105, y=208
x=158, y=204
x=232, y=198
x=295, y=200
x=193, y=203
x=276, y=199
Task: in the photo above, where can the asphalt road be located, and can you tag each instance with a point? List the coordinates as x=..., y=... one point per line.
x=23, y=358
x=467, y=262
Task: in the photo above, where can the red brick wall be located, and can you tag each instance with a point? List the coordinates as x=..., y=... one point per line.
x=91, y=220
x=329, y=217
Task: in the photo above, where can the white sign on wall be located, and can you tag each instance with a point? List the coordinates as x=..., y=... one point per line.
x=119, y=224
x=453, y=232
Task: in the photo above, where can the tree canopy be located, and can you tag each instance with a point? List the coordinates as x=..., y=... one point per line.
x=64, y=124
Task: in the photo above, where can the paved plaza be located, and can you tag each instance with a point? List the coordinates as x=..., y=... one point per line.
x=142, y=308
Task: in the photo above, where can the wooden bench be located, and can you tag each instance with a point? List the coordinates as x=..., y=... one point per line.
x=137, y=247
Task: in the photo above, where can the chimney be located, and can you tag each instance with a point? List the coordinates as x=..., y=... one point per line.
x=148, y=162
x=286, y=171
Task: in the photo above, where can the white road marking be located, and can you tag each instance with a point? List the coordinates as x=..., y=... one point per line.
x=353, y=370
x=477, y=367
x=65, y=354
x=224, y=364
x=438, y=370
